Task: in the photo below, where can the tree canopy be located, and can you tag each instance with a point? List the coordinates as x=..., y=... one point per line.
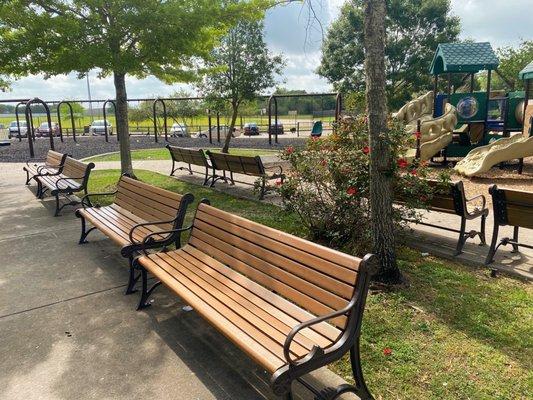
x=414, y=28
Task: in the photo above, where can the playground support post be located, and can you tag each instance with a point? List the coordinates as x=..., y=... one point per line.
x=29, y=123
x=154, y=111
x=270, y=100
x=71, y=119
x=18, y=121
x=106, y=132
x=209, y=126
x=489, y=76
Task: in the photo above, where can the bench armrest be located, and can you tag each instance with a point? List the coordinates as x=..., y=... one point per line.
x=483, y=205
x=86, y=200
x=278, y=167
x=315, y=350
x=149, y=241
x=147, y=224
x=66, y=178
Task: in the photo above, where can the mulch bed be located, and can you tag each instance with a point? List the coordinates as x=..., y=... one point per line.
x=88, y=146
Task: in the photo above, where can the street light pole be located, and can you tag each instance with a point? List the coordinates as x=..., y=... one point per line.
x=89, y=96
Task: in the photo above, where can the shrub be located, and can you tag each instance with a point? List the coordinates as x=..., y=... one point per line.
x=329, y=184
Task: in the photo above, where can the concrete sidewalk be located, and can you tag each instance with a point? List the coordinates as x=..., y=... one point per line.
x=68, y=332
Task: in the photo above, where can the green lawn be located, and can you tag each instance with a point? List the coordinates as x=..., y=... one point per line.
x=163, y=154
x=455, y=333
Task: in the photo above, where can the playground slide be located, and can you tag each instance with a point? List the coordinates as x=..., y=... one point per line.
x=436, y=133
x=483, y=158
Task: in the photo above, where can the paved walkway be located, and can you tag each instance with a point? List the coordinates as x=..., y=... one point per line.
x=68, y=332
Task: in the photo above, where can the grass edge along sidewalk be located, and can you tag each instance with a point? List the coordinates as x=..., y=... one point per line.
x=163, y=154
x=455, y=333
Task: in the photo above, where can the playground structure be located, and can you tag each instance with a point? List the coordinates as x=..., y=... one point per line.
x=434, y=133
x=483, y=158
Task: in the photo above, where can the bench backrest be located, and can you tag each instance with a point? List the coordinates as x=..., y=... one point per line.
x=55, y=159
x=512, y=207
x=449, y=198
x=189, y=156
x=77, y=170
x=239, y=164
x=148, y=202
x=314, y=277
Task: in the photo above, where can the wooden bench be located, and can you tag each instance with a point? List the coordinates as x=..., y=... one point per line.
x=72, y=179
x=139, y=209
x=292, y=305
x=190, y=157
x=246, y=165
x=451, y=199
x=53, y=164
x=513, y=208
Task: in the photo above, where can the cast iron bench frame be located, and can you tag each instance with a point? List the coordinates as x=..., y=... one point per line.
x=500, y=204
x=51, y=181
x=53, y=164
x=190, y=157
x=292, y=369
x=248, y=165
x=128, y=251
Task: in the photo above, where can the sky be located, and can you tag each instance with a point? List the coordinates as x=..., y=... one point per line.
x=501, y=22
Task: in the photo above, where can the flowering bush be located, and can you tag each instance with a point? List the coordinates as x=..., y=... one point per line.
x=328, y=185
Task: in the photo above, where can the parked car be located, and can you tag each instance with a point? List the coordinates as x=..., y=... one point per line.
x=273, y=129
x=251, y=128
x=13, y=129
x=178, y=130
x=44, y=130
x=98, y=127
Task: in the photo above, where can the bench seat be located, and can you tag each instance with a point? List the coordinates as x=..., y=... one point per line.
x=291, y=305
x=241, y=309
x=52, y=165
x=139, y=210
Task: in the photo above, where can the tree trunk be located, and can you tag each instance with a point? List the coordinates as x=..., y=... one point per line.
x=122, y=123
x=381, y=183
x=235, y=111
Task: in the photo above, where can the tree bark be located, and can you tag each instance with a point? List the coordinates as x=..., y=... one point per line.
x=122, y=123
x=235, y=112
x=381, y=182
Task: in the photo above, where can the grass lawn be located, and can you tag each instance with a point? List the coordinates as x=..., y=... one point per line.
x=163, y=154
x=455, y=333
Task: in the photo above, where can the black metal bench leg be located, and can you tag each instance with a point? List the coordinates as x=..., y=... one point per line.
x=492, y=249
x=263, y=188
x=482, y=235
x=515, y=240
x=190, y=169
x=357, y=370
x=288, y=396
x=143, y=303
x=58, y=208
x=132, y=279
x=462, y=237
x=173, y=169
x=27, y=178
x=84, y=232
x=206, y=179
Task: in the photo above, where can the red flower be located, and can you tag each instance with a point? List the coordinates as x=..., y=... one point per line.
x=351, y=191
x=279, y=182
x=366, y=149
x=289, y=150
x=323, y=162
x=402, y=163
x=423, y=198
x=387, y=351
x=414, y=172
x=417, y=135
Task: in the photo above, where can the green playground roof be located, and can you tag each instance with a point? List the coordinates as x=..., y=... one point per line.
x=527, y=72
x=463, y=57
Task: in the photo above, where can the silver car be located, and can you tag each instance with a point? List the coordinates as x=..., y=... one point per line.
x=14, y=130
x=98, y=127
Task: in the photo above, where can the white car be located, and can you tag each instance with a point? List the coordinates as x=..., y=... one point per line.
x=178, y=130
x=98, y=127
x=14, y=129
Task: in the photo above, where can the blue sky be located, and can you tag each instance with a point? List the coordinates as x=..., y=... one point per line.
x=501, y=22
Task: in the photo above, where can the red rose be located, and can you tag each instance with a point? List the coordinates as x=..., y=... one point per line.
x=279, y=182
x=417, y=135
x=366, y=149
x=423, y=198
x=351, y=191
x=387, y=351
x=414, y=172
x=323, y=162
x=402, y=163
x=289, y=150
